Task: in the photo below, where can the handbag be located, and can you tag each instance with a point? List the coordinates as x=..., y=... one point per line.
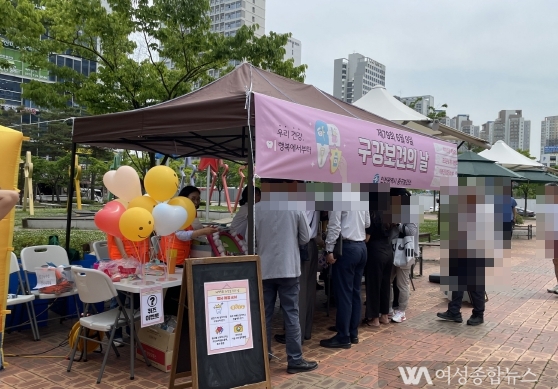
x=403, y=249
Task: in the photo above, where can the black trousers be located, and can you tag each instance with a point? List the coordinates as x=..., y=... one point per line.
x=307, y=297
x=378, y=276
x=477, y=299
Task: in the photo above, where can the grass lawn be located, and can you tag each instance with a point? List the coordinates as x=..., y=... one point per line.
x=430, y=226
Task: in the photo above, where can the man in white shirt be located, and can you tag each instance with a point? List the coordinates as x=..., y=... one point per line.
x=278, y=236
x=347, y=277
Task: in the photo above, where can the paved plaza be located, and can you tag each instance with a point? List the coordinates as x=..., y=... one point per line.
x=516, y=344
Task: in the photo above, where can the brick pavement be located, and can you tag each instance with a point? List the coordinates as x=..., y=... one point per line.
x=518, y=334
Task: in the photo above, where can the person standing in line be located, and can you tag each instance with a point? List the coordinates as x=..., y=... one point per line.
x=347, y=277
x=279, y=235
x=239, y=223
x=308, y=272
x=509, y=224
x=401, y=274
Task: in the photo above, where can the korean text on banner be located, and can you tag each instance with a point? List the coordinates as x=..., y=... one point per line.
x=302, y=143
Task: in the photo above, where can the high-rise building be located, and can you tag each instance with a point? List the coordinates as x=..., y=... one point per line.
x=355, y=76
x=13, y=80
x=422, y=104
x=293, y=49
x=487, y=131
x=228, y=16
x=461, y=122
x=513, y=129
x=549, y=135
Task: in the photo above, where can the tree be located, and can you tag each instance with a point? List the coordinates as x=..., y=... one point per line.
x=433, y=113
x=52, y=174
x=175, y=31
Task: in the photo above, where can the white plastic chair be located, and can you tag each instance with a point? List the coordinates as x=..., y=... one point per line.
x=101, y=250
x=37, y=256
x=23, y=299
x=93, y=287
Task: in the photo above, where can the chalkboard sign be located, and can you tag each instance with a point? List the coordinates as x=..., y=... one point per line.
x=220, y=338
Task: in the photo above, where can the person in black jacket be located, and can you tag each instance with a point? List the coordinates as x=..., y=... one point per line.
x=379, y=262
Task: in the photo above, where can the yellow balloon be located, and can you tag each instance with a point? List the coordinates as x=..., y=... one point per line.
x=188, y=205
x=144, y=202
x=161, y=182
x=136, y=224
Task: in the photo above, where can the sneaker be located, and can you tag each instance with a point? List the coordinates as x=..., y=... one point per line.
x=475, y=320
x=447, y=315
x=118, y=342
x=399, y=317
x=553, y=290
x=390, y=314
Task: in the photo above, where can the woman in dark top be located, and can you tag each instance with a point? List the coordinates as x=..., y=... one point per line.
x=378, y=266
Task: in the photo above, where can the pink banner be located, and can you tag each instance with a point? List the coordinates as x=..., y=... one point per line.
x=302, y=143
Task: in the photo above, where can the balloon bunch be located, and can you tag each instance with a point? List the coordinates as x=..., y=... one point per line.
x=134, y=216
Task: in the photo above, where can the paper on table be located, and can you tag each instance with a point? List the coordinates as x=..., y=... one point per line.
x=46, y=276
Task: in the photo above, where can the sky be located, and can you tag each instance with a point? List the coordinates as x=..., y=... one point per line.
x=476, y=56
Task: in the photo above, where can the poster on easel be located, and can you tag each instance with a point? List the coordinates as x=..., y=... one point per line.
x=228, y=320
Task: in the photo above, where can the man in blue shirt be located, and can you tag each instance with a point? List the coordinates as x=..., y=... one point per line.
x=509, y=218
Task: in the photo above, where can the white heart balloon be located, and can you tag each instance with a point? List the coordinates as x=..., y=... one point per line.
x=168, y=218
x=124, y=183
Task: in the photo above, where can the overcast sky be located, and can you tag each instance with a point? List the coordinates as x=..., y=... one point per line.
x=477, y=56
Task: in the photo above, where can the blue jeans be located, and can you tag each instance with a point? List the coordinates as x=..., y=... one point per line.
x=288, y=290
x=347, y=281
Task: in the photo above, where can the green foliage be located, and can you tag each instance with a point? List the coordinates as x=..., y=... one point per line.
x=175, y=30
x=25, y=238
x=52, y=173
x=519, y=219
x=433, y=113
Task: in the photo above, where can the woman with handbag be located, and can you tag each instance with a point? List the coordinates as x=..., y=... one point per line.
x=401, y=268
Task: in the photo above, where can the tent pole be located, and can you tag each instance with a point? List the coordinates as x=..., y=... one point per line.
x=70, y=193
x=207, y=199
x=251, y=248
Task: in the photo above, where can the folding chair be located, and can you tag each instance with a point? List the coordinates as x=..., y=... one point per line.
x=93, y=287
x=37, y=256
x=23, y=299
x=101, y=250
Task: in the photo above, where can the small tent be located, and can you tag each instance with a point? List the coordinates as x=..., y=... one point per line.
x=504, y=155
x=380, y=102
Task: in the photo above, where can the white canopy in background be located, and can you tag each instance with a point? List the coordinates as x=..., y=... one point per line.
x=380, y=102
x=504, y=155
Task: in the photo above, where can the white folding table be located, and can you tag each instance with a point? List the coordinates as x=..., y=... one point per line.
x=131, y=288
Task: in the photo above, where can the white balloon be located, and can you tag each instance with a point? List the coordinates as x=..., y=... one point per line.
x=168, y=218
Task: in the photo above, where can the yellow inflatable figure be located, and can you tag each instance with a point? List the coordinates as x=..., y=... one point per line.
x=10, y=149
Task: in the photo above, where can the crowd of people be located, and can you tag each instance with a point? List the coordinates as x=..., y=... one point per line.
x=355, y=244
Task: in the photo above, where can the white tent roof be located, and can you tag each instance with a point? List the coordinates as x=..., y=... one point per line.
x=380, y=102
x=509, y=158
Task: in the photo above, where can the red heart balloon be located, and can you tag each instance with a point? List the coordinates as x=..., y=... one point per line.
x=107, y=219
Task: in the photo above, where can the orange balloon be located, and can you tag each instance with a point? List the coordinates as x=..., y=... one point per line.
x=144, y=202
x=188, y=205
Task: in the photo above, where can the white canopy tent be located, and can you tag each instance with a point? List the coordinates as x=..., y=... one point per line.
x=504, y=155
x=380, y=102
